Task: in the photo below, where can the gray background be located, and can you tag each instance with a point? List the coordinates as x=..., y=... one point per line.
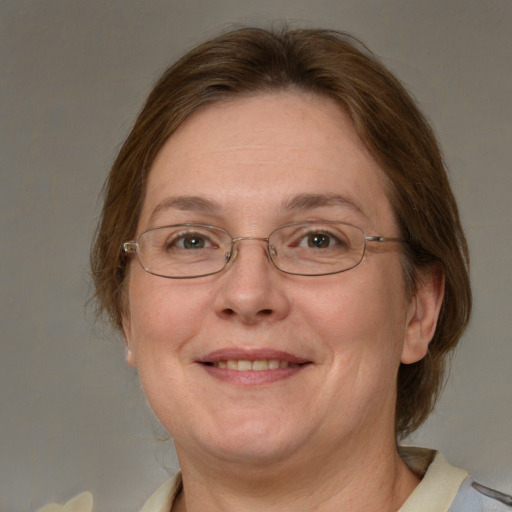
x=74, y=74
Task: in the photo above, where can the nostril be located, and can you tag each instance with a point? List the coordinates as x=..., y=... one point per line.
x=266, y=312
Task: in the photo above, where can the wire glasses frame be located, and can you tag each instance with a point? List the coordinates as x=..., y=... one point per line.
x=314, y=248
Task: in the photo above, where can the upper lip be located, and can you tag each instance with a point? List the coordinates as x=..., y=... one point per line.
x=239, y=354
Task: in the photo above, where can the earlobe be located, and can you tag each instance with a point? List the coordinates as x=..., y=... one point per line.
x=422, y=315
x=130, y=357
x=130, y=354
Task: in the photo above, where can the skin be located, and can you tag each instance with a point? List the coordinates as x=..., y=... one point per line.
x=322, y=437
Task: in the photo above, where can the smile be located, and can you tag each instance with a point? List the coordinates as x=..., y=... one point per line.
x=256, y=366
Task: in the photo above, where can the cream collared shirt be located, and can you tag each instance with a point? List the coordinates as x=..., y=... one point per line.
x=435, y=493
x=443, y=488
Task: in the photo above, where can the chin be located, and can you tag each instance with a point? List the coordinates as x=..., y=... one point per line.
x=256, y=453
x=252, y=441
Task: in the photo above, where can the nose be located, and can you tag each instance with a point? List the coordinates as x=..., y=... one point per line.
x=251, y=289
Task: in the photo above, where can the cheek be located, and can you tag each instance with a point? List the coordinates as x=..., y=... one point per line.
x=361, y=318
x=357, y=320
x=164, y=316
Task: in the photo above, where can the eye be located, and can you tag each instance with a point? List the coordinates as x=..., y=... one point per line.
x=192, y=242
x=320, y=240
x=189, y=241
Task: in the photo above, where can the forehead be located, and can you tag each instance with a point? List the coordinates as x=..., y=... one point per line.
x=257, y=153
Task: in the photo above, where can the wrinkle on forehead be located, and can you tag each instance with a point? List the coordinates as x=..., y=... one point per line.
x=262, y=151
x=296, y=203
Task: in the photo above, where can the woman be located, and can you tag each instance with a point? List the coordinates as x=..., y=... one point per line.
x=282, y=252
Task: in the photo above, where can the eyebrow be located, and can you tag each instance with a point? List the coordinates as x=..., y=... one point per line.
x=301, y=202
x=296, y=203
x=186, y=203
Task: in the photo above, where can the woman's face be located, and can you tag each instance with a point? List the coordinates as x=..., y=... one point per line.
x=250, y=165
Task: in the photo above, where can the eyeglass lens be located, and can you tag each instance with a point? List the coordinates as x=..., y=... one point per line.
x=194, y=250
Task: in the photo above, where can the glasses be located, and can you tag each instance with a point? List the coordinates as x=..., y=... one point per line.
x=314, y=248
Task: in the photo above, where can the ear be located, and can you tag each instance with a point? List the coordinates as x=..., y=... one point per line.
x=130, y=353
x=422, y=315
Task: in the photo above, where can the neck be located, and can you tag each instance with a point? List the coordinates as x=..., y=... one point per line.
x=376, y=480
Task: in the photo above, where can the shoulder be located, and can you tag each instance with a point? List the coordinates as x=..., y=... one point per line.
x=445, y=487
x=160, y=501
x=81, y=503
x=473, y=496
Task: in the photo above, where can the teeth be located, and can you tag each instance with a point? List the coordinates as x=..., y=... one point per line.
x=259, y=365
x=243, y=365
x=232, y=365
x=273, y=364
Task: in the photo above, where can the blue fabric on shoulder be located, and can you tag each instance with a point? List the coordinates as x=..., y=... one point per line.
x=474, y=497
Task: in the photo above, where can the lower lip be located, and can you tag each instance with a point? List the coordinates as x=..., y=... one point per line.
x=252, y=377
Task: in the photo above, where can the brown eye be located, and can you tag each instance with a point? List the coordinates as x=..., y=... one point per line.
x=189, y=241
x=319, y=240
x=192, y=242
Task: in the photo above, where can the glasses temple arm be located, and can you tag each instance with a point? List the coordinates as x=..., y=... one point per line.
x=384, y=239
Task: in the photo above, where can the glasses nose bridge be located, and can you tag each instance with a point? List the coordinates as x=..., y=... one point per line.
x=234, y=242
x=240, y=238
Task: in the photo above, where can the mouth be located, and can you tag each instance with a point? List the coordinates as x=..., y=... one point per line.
x=244, y=365
x=251, y=367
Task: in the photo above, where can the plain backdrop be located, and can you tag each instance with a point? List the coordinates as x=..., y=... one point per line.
x=73, y=75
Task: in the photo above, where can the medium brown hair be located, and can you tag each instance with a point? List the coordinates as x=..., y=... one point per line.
x=332, y=64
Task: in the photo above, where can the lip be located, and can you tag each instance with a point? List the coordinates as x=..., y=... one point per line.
x=226, y=354
x=251, y=377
